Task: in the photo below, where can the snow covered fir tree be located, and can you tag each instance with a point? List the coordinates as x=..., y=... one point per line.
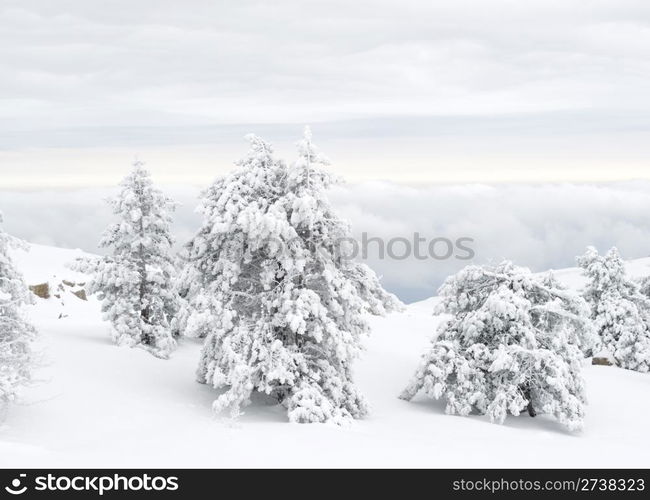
x=282, y=308
x=136, y=281
x=620, y=311
x=16, y=333
x=644, y=284
x=515, y=342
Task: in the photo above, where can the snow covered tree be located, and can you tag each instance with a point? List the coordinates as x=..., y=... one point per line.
x=514, y=343
x=135, y=282
x=644, y=284
x=282, y=308
x=621, y=312
x=184, y=287
x=16, y=333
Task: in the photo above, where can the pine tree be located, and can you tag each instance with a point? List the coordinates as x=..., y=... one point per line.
x=135, y=282
x=16, y=333
x=621, y=312
x=183, y=288
x=193, y=316
x=644, y=284
x=515, y=342
x=282, y=308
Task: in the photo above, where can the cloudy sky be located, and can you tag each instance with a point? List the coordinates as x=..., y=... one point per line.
x=524, y=125
x=411, y=91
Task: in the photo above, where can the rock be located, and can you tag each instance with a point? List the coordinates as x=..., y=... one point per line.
x=41, y=290
x=601, y=361
x=44, y=290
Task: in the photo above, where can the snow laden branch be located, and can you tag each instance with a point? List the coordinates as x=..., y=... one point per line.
x=515, y=342
x=281, y=312
x=16, y=333
x=136, y=282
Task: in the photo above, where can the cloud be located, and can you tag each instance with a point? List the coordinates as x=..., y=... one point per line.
x=147, y=62
x=539, y=226
x=472, y=90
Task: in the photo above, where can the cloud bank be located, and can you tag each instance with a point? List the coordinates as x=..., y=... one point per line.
x=539, y=226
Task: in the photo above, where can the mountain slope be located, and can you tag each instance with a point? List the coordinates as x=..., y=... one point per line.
x=97, y=405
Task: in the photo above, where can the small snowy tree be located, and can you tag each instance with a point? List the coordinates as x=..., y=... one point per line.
x=282, y=307
x=514, y=342
x=16, y=333
x=621, y=312
x=135, y=282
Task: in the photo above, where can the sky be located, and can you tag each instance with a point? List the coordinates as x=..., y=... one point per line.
x=408, y=91
x=523, y=125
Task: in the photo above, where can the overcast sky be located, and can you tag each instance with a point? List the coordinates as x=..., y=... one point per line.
x=410, y=91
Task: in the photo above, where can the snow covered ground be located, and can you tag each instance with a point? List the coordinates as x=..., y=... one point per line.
x=97, y=405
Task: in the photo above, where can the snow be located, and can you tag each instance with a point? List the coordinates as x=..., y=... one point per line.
x=43, y=264
x=98, y=405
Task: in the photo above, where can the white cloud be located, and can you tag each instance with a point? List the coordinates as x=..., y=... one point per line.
x=253, y=62
x=539, y=226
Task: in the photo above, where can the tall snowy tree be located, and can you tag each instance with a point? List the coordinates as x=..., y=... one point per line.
x=282, y=308
x=621, y=312
x=16, y=333
x=135, y=282
x=514, y=343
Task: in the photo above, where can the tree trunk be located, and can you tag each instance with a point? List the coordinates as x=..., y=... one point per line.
x=529, y=407
x=142, y=269
x=531, y=410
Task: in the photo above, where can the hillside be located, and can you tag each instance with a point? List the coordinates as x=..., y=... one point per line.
x=97, y=405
